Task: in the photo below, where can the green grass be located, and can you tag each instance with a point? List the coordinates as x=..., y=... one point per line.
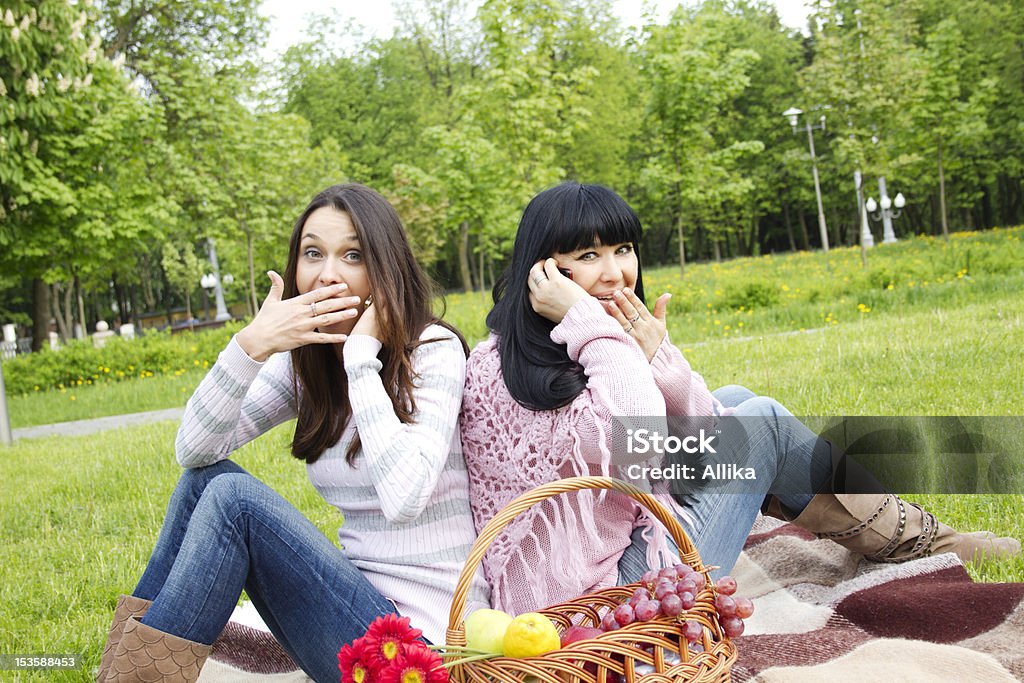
x=100, y=400
x=80, y=515
x=79, y=518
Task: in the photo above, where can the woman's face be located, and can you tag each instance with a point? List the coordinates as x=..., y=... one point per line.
x=330, y=253
x=602, y=269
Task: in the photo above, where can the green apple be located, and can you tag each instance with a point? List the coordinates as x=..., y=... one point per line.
x=485, y=630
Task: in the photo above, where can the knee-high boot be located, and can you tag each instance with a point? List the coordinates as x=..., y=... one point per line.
x=885, y=528
x=146, y=654
x=127, y=606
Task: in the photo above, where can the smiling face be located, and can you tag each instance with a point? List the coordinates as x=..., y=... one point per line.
x=602, y=269
x=330, y=253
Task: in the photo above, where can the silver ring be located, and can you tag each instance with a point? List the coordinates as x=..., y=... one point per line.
x=628, y=330
x=312, y=308
x=539, y=279
x=635, y=318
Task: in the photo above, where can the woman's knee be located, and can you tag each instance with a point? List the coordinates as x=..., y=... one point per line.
x=761, y=406
x=230, y=495
x=198, y=478
x=732, y=395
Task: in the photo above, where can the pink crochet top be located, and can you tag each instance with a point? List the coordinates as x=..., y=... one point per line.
x=569, y=545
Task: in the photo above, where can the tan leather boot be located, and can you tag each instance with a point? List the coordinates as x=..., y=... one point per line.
x=127, y=606
x=148, y=655
x=885, y=528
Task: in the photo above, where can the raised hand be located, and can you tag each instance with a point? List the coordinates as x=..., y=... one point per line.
x=648, y=329
x=286, y=324
x=551, y=293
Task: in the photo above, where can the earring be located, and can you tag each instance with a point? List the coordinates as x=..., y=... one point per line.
x=369, y=301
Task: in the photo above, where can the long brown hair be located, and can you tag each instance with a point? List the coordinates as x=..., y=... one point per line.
x=402, y=295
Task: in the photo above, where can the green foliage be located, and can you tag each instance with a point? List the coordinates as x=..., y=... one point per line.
x=750, y=295
x=80, y=364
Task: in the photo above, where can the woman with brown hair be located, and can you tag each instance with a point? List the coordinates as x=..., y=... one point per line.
x=346, y=343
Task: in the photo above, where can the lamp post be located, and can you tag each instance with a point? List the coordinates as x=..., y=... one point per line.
x=884, y=211
x=6, y=438
x=214, y=281
x=793, y=114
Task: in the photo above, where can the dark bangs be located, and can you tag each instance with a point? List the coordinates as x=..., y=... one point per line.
x=572, y=216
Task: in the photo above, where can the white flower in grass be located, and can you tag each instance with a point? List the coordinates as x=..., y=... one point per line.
x=9, y=18
x=87, y=81
x=3, y=89
x=15, y=34
x=118, y=60
x=25, y=23
x=58, y=48
x=63, y=83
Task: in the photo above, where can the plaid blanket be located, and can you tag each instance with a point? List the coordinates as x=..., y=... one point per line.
x=821, y=614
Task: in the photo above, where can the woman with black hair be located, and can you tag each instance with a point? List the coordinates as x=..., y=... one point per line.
x=575, y=361
x=347, y=343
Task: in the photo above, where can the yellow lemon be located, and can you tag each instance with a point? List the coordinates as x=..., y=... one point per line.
x=485, y=630
x=529, y=635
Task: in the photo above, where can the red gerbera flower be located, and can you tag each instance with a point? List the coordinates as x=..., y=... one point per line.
x=418, y=665
x=388, y=638
x=354, y=663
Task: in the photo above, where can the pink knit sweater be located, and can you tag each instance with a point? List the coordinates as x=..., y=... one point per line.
x=569, y=545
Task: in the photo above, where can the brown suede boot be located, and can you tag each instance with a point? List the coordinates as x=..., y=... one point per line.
x=127, y=606
x=148, y=655
x=885, y=528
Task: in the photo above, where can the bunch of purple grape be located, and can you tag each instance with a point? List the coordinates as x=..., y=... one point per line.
x=672, y=591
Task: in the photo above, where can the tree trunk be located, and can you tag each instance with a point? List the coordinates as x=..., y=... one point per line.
x=188, y=310
x=122, y=303
x=682, y=245
x=480, y=271
x=942, y=197
x=716, y=244
x=59, y=314
x=81, y=303
x=40, y=314
x=803, y=230
x=253, y=302
x=464, y=274
x=789, y=226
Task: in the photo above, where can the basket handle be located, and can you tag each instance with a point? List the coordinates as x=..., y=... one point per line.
x=687, y=551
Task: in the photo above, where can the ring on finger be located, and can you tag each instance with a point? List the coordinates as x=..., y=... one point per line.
x=312, y=308
x=538, y=279
x=628, y=330
x=635, y=317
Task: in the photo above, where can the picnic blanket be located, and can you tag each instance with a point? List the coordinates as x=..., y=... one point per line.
x=821, y=614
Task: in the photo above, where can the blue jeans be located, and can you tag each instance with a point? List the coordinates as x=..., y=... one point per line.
x=225, y=531
x=721, y=520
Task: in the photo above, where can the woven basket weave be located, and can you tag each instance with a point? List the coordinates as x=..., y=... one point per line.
x=644, y=652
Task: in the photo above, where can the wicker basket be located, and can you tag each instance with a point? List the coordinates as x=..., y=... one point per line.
x=631, y=651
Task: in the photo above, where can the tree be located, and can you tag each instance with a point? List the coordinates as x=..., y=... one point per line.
x=694, y=75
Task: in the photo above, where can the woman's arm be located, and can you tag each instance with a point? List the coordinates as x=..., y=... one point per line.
x=621, y=392
x=238, y=400
x=684, y=390
x=406, y=460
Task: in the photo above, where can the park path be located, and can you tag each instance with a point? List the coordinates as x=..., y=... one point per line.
x=100, y=424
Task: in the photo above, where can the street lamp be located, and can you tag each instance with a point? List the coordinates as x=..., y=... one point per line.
x=885, y=211
x=214, y=282
x=793, y=114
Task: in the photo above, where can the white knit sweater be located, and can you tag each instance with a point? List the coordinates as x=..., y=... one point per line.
x=407, y=522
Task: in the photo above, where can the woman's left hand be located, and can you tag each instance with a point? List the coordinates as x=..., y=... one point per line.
x=367, y=323
x=648, y=329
